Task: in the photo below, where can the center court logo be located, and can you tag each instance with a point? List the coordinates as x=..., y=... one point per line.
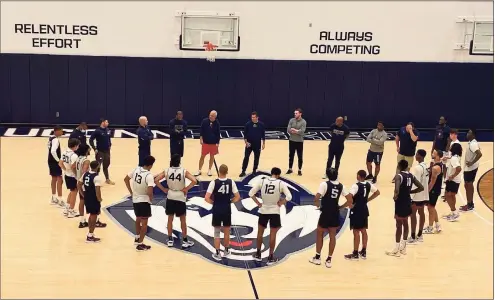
x=299, y=221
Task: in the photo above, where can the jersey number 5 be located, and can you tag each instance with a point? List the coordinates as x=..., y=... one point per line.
x=178, y=177
x=335, y=193
x=138, y=178
x=224, y=189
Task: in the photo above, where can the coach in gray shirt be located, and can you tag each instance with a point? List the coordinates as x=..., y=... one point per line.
x=376, y=138
x=296, y=130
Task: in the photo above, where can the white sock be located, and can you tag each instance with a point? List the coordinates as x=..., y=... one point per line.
x=136, y=236
x=91, y=234
x=82, y=219
x=397, y=246
x=54, y=196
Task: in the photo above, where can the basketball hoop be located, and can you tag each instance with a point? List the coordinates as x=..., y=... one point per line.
x=210, y=49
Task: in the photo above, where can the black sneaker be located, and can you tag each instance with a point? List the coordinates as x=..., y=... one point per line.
x=142, y=247
x=374, y=180
x=100, y=224
x=369, y=177
x=83, y=224
x=92, y=239
x=362, y=254
x=243, y=174
x=289, y=171
x=352, y=256
x=299, y=173
x=136, y=241
x=271, y=260
x=257, y=257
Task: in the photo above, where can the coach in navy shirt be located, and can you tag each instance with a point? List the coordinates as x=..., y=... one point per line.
x=442, y=136
x=339, y=132
x=80, y=133
x=102, y=148
x=210, y=139
x=177, y=128
x=254, y=138
x=406, y=140
x=145, y=136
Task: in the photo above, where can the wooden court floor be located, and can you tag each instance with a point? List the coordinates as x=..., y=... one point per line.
x=43, y=255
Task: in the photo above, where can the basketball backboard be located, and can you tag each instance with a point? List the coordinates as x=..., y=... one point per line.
x=482, y=42
x=222, y=30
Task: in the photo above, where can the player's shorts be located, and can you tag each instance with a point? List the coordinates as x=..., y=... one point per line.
x=403, y=209
x=409, y=159
x=92, y=208
x=470, y=176
x=420, y=203
x=211, y=149
x=329, y=219
x=55, y=169
x=433, y=198
x=451, y=186
x=221, y=219
x=142, y=209
x=71, y=183
x=274, y=220
x=358, y=221
x=174, y=207
x=375, y=157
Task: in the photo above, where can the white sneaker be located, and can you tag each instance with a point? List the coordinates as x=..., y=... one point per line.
x=411, y=241
x=402, y=248
x=54, y=201
x=209, y=173
x=66, y=212
x=197, y=173
x=72, y=214
x=315, y=261
x=419, y=239
x=446, y=216
x=438, y=228
x=328, y=263
x=170, y=243
x=216, y=256
x=187, y=244
x=61, y=204
x=453, y=218
x=227, y=253
x=428, y=230
x=394, y=252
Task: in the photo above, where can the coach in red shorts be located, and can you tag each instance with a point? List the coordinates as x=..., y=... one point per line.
x=210, y=139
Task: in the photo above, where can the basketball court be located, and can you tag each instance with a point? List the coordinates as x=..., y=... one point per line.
x=44, y=255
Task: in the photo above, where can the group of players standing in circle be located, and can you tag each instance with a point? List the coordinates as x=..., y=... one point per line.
x=81, y=175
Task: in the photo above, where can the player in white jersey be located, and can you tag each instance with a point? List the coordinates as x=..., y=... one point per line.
x=269, y=209
x=453, y=138
x=472, y=162
x=68, y=164
x=453, y=181
x=142, y=195
x=419, y=200
x=176, y=197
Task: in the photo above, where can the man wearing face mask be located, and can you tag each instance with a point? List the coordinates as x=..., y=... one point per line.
x=80, y=133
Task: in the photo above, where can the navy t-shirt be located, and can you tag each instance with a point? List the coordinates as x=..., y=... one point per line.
x=338, y=135
x=407, y=146
x=442, y=134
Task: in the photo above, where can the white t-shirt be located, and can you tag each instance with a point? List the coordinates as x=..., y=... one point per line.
x=211, y=187
x=448, y=154
x=452, y=165
x=322, y=189
x=141, y=179
x=271, y=191
x=79, y=166
x=354, y=189
x=69, y=158
x=473, y=146
x=421, y=174
x=176, y=181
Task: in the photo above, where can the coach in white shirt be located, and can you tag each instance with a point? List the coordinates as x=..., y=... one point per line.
x=472, y=162
x=453, y=180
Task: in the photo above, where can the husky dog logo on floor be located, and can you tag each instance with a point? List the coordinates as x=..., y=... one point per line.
x=299, y=219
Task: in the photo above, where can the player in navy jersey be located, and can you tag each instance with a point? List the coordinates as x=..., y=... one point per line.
x=54, y=156
x=402, y=197
x=434, y=189
x=91, y=186
x=329, y=192
x=221, y=193
x=360, y=192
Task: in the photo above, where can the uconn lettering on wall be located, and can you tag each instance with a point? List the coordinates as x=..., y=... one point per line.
x=56, y=35
x=345, y=42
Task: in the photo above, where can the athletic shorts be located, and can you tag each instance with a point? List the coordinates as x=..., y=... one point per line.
x=433, y=198
x=358, y=221
x=375, y=157
x=55, y=169
x=403, y=209
x=211, y=149
x=420, y=203
x=71, y=183
x=452, y=187
x=329, y=219
x=174, y=207
x=142, y=209
x=470, y=176
x=219, y=220
x=92, y=208
x=274, y=220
